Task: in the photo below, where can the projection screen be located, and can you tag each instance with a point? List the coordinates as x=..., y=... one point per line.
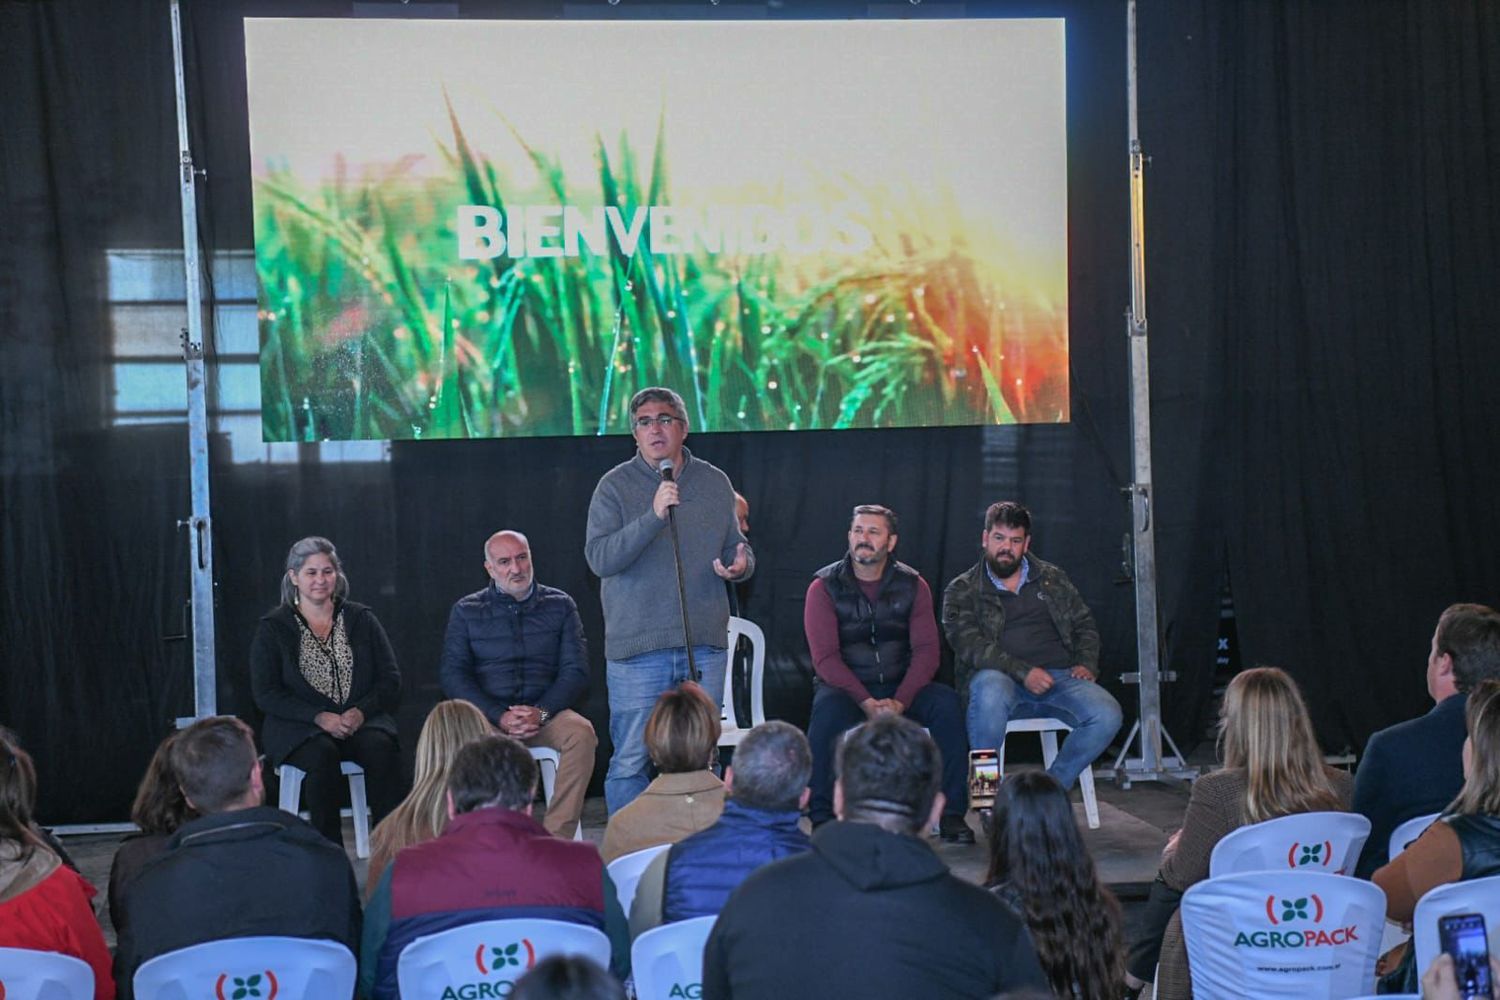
x=505, y=228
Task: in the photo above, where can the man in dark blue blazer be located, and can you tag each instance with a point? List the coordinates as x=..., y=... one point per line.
x=1416, y=767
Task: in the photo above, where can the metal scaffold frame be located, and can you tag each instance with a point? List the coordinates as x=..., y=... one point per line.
x=1151, y=765
x=200, y=523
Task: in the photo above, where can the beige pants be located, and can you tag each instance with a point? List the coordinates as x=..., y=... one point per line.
x=572, y=736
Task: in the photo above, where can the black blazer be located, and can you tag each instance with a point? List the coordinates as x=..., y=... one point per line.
x=1411, y=769
x=291, y=704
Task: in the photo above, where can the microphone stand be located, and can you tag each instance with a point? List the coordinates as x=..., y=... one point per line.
x=687, y=633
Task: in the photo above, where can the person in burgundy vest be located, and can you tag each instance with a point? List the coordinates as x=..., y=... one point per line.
x=493, y=861
x=875, y=649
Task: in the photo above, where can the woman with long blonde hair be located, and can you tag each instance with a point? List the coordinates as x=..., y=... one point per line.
x=1273, y=767
x=423, y=814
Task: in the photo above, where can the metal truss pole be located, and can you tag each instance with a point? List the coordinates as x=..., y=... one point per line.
x=200, y=525
x=1151, y=765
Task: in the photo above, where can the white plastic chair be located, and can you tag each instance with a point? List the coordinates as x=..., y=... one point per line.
x=1403, y=836
x=290, y=968
x=44, y=975
x=731, y=733
x=626, y=871
x=1292, y=934
x=1327, y=842
x=547, y=762
x=1477, y=895
x=291, y=799
x=667, y=961
x=1048, y=729
x=491, y=953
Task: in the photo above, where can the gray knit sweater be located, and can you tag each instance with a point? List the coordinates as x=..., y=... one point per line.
x=631, y=551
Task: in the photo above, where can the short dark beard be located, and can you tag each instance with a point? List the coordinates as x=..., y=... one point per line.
x=999, y=569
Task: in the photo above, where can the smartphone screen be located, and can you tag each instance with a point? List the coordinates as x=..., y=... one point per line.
x=984, y=778
x=1463, y=937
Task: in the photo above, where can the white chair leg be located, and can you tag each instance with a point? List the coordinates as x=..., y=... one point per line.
x=549, y=779
x=291, y=787
x=1049, y=746
x=360, y=807
x=547, y=761
x=1090, y=801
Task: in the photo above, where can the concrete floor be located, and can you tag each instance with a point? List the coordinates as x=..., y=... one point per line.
x=1134, y=826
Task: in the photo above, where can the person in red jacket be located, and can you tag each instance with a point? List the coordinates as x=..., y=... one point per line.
x=44, y=904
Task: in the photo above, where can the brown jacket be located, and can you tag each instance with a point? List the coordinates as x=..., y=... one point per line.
x=672, y=807
x=1215, y=809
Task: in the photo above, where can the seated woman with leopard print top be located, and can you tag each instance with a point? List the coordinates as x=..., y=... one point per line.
x=324, y=673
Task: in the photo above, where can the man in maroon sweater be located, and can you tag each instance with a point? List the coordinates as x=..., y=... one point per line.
x=874, y=643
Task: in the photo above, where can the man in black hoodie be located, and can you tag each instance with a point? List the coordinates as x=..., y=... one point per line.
x=870, y=911
x=242, y=869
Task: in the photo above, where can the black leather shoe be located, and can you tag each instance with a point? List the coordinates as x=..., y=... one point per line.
x=953, y=830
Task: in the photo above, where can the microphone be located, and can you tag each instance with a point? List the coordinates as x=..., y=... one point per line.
x=665, y=465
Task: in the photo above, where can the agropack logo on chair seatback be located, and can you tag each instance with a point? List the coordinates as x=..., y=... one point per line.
x=1295, y=923
x=256, y=986
x=508, y=960
x=1300, y=855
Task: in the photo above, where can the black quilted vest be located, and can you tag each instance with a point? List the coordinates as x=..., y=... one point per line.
x=1479, y=836
x=874, y=641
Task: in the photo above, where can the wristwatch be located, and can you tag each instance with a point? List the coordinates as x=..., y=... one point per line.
x=544, y=715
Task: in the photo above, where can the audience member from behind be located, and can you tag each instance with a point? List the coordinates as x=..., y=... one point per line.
x=766, y=789
x=1040, y=866
x=324, y=673
x=242, y=869
x=515, y=649
x=567, y=977
x=1413, y=769
x=44, y=904
x=682, y=737
x=871, y=911
x=492, y=862
x=1272, y=767
x=423, y=814
x=1465, y=843
x=159, y=810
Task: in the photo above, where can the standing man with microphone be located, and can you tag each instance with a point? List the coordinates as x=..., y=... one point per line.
x=660, y=627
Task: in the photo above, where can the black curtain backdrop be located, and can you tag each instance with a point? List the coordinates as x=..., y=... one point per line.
x=1323, y=219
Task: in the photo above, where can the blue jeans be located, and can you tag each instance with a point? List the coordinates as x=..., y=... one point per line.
x=995, y=699
x=634, y=686
x=936, y=708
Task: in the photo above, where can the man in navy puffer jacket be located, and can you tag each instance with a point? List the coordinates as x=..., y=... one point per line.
x=515, y=649
x=767, y=791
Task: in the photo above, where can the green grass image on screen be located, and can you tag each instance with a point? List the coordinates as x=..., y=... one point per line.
x=372, y=328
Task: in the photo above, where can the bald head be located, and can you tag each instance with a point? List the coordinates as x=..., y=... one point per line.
x=507, y=559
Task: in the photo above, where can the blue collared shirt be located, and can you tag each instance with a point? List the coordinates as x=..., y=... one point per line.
x=1025, y=575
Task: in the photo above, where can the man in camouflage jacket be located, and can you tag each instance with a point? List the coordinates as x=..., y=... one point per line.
x=1027, y=646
